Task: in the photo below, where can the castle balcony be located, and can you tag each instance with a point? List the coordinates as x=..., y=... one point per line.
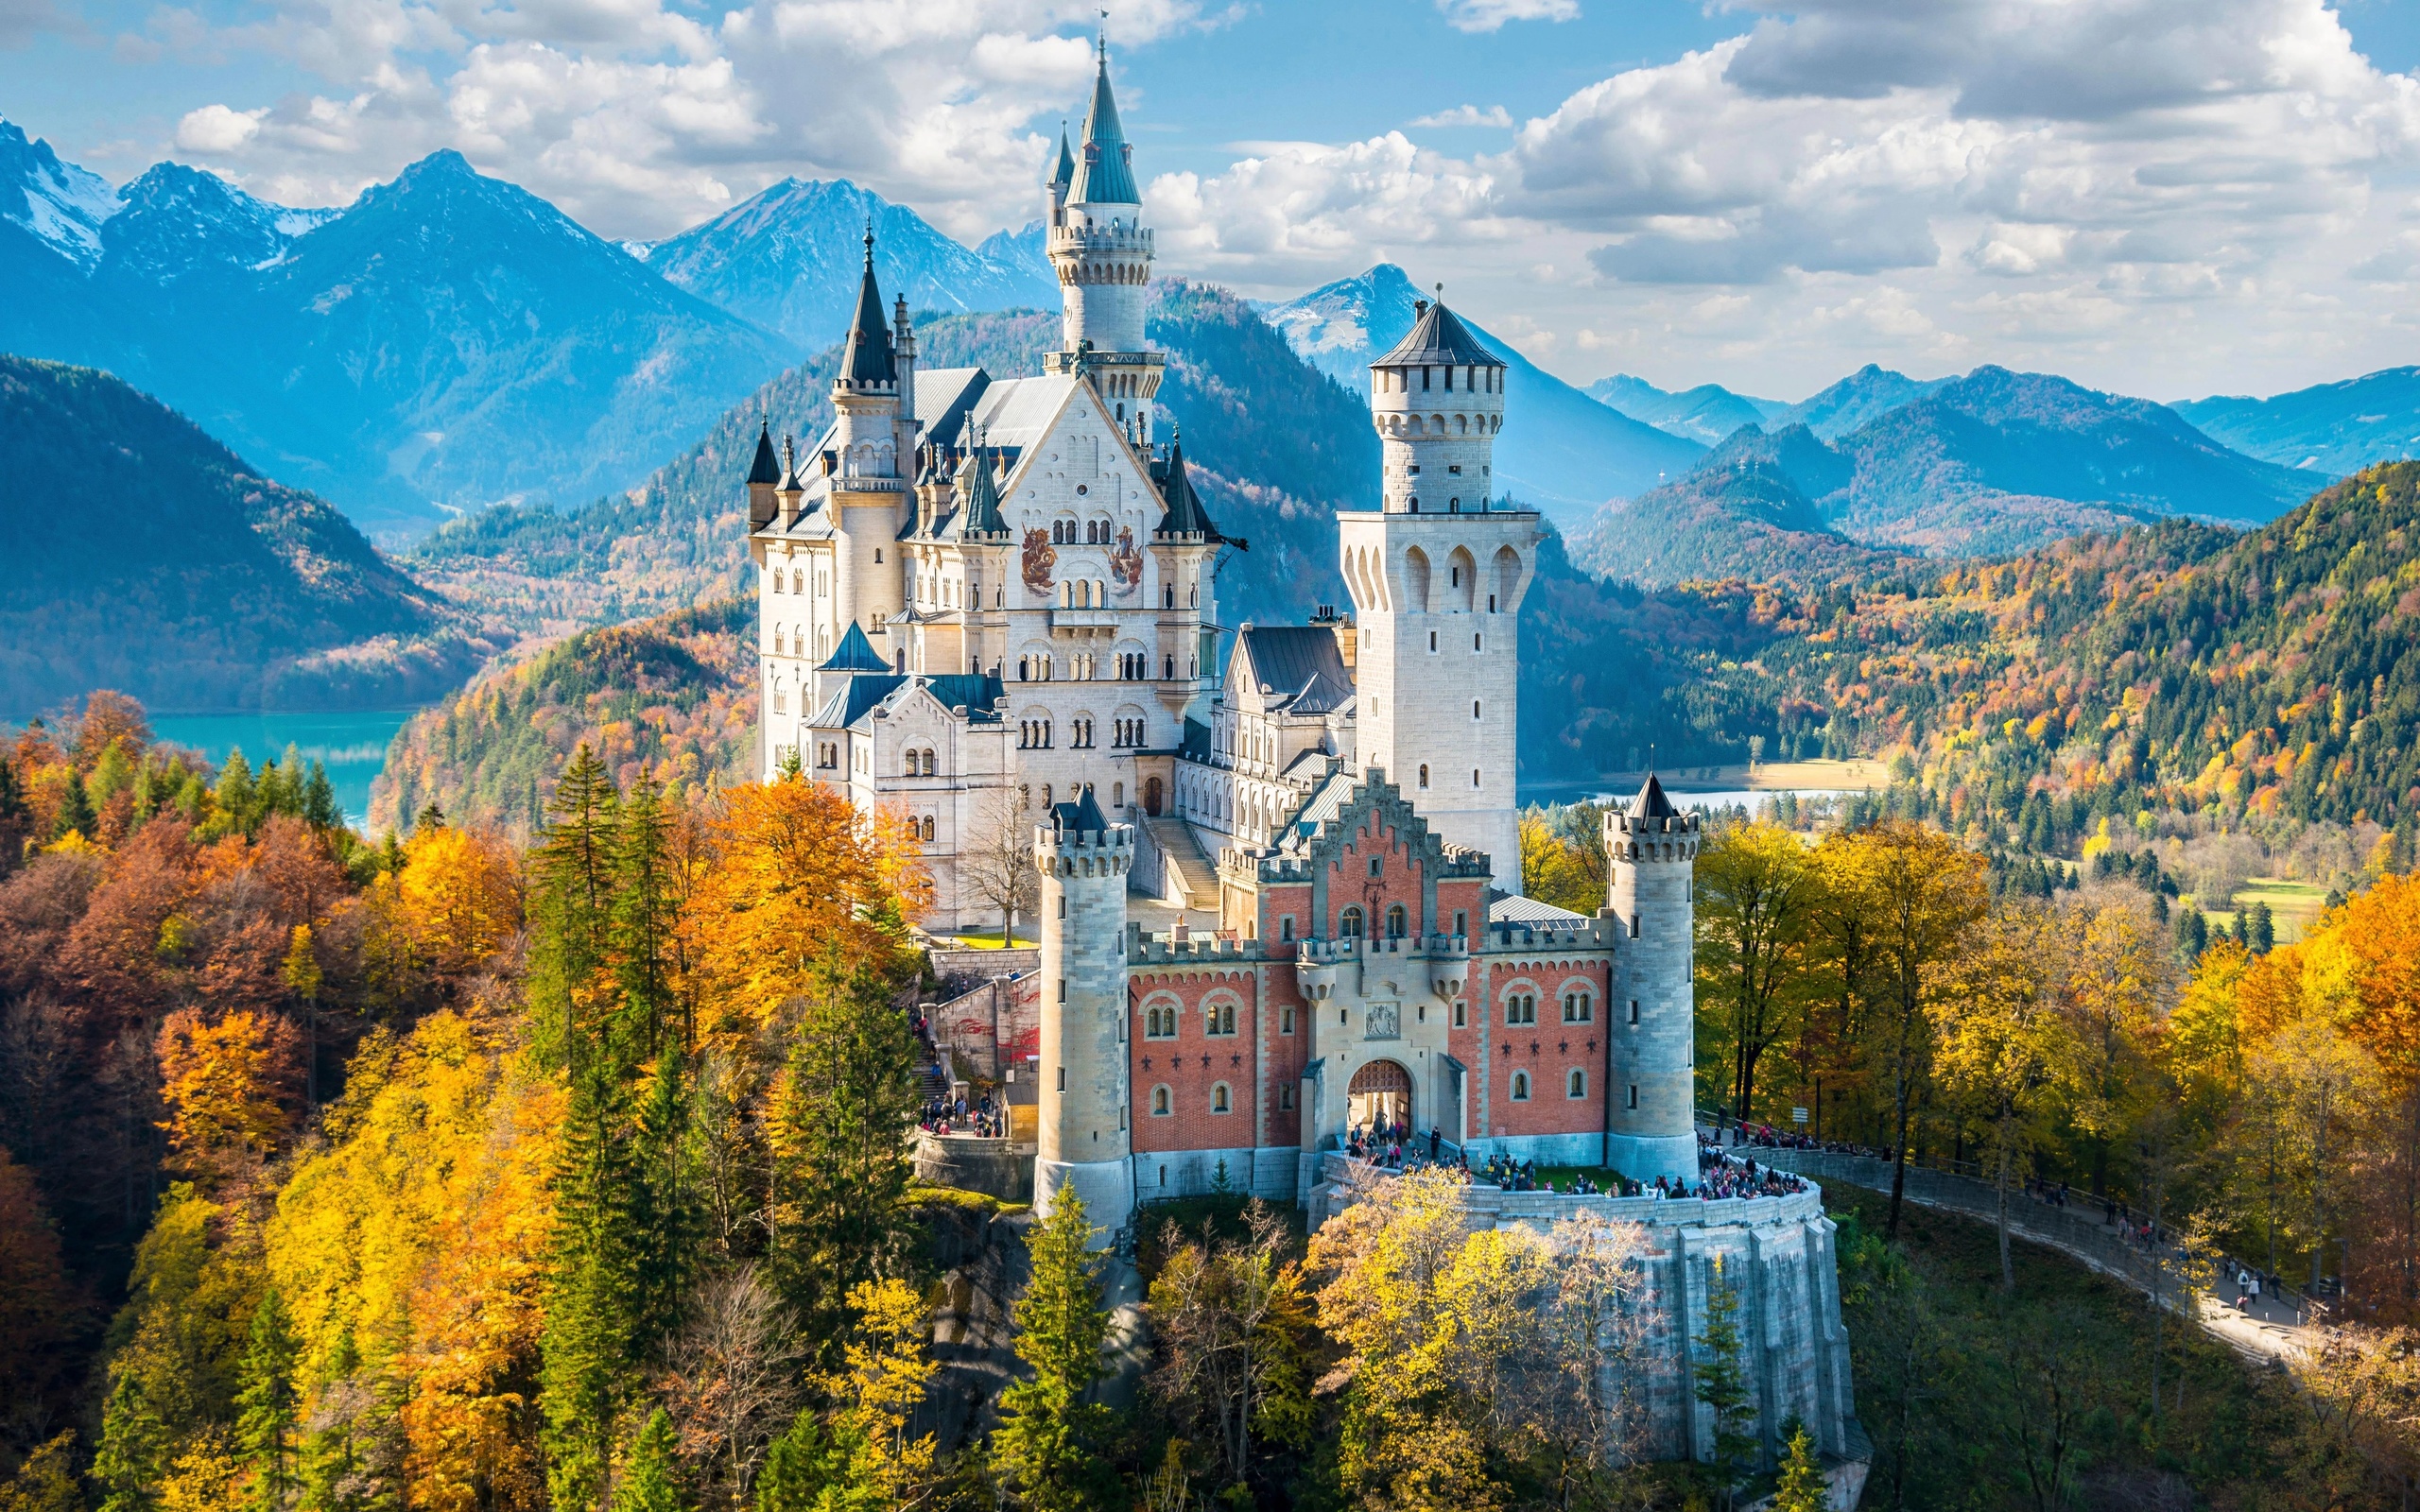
x=1087, y=622
x=1530, y=938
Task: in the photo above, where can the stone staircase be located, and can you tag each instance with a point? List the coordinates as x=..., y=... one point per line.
x=1197, y=878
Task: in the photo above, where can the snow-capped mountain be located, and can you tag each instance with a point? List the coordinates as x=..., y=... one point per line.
x=1561, y=449
x=175, y=220
x=445, y=342
x=787, y=260
x=59, y=202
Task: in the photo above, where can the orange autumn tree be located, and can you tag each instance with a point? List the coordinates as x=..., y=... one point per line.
x=219, y=1080
x=801, y=889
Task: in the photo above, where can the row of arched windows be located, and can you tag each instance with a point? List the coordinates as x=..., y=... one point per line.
x=1093, y=532
x=920, y=763
x=1161, y=1018
x=1163, y=1100
x=1474, y=378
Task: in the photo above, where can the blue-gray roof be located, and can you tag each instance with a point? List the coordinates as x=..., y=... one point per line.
x=862, y=696
x=1438, y=339
x=1104, y=171
x=855, y=654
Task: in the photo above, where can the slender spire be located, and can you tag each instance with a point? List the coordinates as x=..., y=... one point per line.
x=1066, y=173
x=768, y=468
x=1105, y=175
x=868, y=357
x=983, y=499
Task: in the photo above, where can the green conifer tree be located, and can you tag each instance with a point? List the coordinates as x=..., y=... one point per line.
x=2260, y=929
x=651, y=1480
x=320, y=799
x=1046, y=1451
x=1721, y=1379
x=133, y=1454
x=572, y=872
x=640, y=918
x=2192, y=934
x=586, y=1366
x=75, y=812
x=798, y=1468
x=233, y=794
x=265, y=1400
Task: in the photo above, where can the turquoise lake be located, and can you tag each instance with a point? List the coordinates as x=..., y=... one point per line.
x=351, y=746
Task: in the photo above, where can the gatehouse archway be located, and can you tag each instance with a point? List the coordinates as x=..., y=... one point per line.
x=1379, y=1095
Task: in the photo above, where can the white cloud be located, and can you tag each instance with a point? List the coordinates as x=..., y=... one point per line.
x=1496, y=116
x=1487, y=15
x=215, y=129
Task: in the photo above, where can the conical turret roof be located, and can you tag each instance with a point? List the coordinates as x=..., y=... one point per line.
x=1104, y=173
x=1437, y=338
x=1185, y=516
x=868, y=357
x=768, y=468
x=1651, y=803
x=856, y=654
x=983, y=501
x=1066, y=173
x=1082, y=817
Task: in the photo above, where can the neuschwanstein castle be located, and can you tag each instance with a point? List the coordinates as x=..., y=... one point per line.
x=989, y=607
x=993, y=603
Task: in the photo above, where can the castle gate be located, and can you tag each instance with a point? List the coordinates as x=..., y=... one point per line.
x=1380, y=1092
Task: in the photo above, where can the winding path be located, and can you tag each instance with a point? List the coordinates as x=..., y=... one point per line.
x=2274, y=1333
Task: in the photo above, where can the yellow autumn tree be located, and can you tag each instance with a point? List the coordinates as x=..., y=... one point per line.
x=412, y=1250
x=887, y=1376
x=460, y=896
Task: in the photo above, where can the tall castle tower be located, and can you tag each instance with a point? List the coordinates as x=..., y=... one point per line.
x=1437, y=577
x=1085, y=1140
x=1651, y=1122
x=1102, y=252
x=874, y=433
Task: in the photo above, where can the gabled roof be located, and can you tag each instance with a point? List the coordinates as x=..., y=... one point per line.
x=1651, y=803
x=768, y=468
x=855, y=654
x=852, y=703
x=1299, y=667
x=867, y=358
x=944, y=397
x=1440, y=339
x=978, y=694
x=1105, y=173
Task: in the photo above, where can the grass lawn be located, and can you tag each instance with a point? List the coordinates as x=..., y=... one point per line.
x=990, y=942
x=2293, y=905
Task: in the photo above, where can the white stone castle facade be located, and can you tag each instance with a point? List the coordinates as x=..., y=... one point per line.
x=990, y=601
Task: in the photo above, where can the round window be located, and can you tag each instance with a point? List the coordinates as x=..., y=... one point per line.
x=1082, y=489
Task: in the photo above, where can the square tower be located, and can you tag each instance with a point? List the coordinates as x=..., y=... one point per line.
x=1437, y=577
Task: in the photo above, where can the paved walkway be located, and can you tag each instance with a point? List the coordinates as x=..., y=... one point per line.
x=2274, y=1331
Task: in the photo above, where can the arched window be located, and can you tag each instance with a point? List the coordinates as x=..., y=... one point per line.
x=1348, y=924
x=1218, y=1017
x=1521, y=1007
x=1159, y=1021
x=1578, y=1008
x=929, y=829
x=1219, y=1097
x=1577, y=1084
x=1397, y=921
x=1160, y=1102
x=1520, y=1086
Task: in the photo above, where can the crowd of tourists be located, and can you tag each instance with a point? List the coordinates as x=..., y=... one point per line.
x=953, y=1115
x=1393, y=1147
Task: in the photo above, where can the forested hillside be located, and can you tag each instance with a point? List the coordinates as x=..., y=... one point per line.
x=675, y=693
x=143, y=556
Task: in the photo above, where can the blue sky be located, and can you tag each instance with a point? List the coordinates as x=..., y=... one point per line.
x=2167, y=196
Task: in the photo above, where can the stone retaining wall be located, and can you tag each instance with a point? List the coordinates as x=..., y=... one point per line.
x=1776, y=1253
x=999, y=1168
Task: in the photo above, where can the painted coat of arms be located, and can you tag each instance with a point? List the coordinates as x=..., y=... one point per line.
x=1039, y=560
x=1126, y=563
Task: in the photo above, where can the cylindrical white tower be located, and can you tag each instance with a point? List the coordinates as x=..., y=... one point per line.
x=1651, y=1119
x=1084, y=1140
x=1102, y=253
x=1437, y=580
x=1438, y=401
